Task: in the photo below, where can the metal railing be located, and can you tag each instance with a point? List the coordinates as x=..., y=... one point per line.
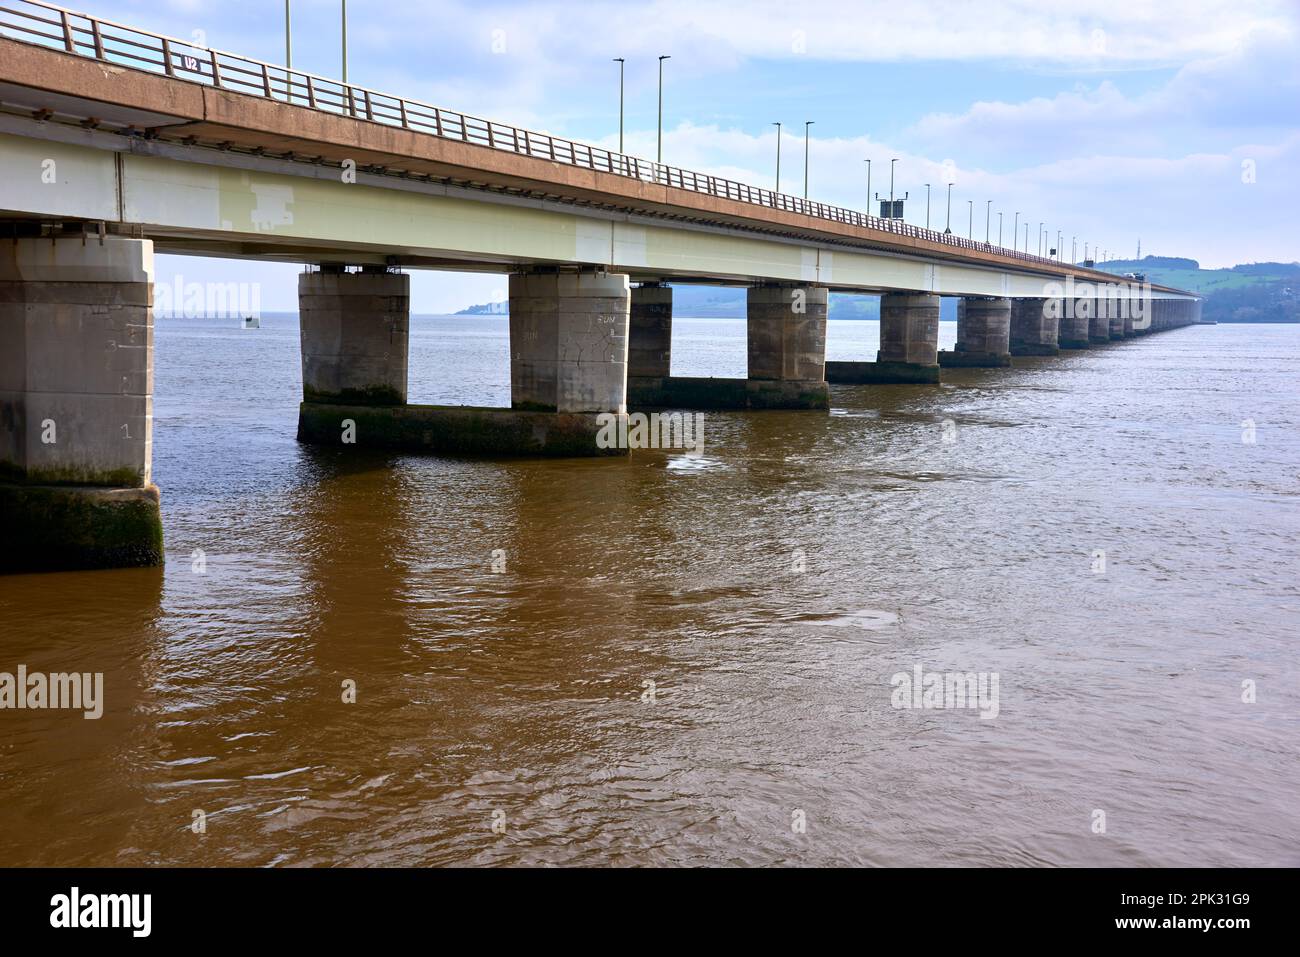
x=48, y=25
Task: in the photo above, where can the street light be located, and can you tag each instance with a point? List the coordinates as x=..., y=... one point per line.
x=619, y=61
x=927, y=205
x=345, y=41
x=807, y=123
x=891, y=190
x=970, y=226
x=1040, y=239
x=999, y=229
x=948, y=227
x=661, y=107
x=1015, y=232
x=288, y=44
x=988, y=217
x=1026, y=239
x=778, y=156
x=868, y=162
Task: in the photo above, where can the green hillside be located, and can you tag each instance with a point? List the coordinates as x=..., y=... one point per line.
x=1254, y=292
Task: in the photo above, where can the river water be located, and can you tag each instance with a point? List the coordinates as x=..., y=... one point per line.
x=690, y=660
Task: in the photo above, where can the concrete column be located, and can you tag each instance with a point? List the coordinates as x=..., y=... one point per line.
x=983, y=333
x=1140, y=314
x=786, y=340
x=650, y=332
x=1035, y=327
x=1115, y=316
x=569, y=341
x=909, y=344
x=786, y=332
x=76, y=404
x=354, y=331
x=1098, y=321
x=1076, y=315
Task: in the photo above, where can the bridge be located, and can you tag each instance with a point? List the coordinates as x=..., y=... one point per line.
x=117, y=142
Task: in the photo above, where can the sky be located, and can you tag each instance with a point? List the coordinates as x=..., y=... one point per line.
x=1113, y=121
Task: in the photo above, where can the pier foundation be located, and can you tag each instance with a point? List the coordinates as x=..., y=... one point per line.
x=76, y=404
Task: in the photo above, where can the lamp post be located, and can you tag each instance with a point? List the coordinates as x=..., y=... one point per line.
x=927, y=205
x=345, y=41
x=806, y=125
x=948, y=226
x=1015, y=232
x=1026, y=239
x=778, y=156
x=288, y=43
x=619, y=61
x=970, y=225
x=999, y=229
x=868, y=162
x=1040, y=239
x=988, y=218
x=660, y=154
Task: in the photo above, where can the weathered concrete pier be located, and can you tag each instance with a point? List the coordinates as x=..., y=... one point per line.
x=983, y=334
x=76, y=403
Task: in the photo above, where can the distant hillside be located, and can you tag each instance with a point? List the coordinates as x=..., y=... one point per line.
x=728, y=302
x=1254, y=292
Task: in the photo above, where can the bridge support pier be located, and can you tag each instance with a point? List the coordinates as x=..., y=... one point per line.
x=649, y=345
x=76, y=404
x=1098, y=321
x=1076, y=316
x=355, y=329
x=1115, y=310
x=983, y=334
x=1035, y=325
x=909, y=344
x=786, y=342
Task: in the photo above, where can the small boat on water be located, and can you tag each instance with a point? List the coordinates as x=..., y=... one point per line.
x=252, y=322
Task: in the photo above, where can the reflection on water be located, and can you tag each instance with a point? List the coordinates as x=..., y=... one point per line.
x=678, y=653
